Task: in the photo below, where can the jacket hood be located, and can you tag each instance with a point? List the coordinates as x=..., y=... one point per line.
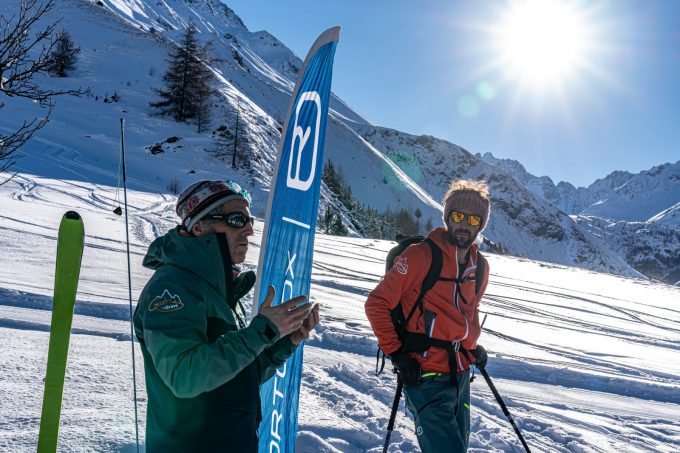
x=201, y=256
x=189, y=252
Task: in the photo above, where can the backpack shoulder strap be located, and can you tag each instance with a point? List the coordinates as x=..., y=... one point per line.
x=435, y=267
x=481, y=269
x=430, y=279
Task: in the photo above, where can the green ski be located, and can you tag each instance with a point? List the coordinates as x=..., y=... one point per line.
x=69, y=255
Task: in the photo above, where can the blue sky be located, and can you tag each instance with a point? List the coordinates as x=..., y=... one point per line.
x=440, y=67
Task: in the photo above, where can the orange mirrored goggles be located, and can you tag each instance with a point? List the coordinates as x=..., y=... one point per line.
x=458, y=217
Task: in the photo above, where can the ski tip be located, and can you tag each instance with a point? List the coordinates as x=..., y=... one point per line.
x=72, y=215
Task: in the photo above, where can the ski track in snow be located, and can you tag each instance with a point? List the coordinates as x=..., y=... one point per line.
x=565, y=391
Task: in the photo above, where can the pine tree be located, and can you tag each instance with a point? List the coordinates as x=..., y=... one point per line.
x=428, y=225
x=338, y=228
x=202, y=87
x=335, y=181
x=240, y=140
x=187, y=82
x=418, y=213
x=328, y=220
x=232, y=140
x=406, y=222
x=344, y=190
x=330, y=178
x=64, y=56
x=203, y=114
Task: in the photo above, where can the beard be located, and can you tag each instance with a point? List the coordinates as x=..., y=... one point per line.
x=461, y=238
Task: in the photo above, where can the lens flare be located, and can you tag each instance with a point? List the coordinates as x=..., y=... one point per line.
x=543, y=41
x=486, y=91
x=468, y=106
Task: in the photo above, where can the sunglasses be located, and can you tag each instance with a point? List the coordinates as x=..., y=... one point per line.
x=234, y=219
x=458, y=217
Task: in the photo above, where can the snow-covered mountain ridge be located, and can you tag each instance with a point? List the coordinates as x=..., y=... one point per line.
x=521, y=223
x=620, y=195
x=257, y=72
x=637, y=215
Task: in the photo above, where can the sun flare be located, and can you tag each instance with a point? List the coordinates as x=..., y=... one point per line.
x=543, y=42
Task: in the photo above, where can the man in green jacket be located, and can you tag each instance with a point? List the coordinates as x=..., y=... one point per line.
x=203, y=363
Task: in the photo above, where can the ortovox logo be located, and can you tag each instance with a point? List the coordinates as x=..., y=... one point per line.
x=166, y=302
x=401, y=265
x=419, y=430
x=301, y=136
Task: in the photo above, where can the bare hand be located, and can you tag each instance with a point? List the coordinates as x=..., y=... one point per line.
x=307, y=326
x=288, y=316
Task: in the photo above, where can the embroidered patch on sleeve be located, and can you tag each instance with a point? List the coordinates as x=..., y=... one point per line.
x=166, y=302
x=401, y=265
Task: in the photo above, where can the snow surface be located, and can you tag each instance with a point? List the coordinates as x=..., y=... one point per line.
x=585, y=361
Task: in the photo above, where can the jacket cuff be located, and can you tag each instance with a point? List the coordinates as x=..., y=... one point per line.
x=266, y=329
x=290, y=347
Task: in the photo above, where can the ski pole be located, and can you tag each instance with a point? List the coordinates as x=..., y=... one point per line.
x=393, y=415
x=504, y=408
x=127, y=243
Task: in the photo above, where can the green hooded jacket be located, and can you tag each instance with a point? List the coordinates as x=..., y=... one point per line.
x=203, y=364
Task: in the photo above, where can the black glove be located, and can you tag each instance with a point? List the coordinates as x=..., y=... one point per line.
x=408, y=368
x=479, y=353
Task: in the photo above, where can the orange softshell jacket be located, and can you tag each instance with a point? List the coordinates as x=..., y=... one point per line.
x=445, y=316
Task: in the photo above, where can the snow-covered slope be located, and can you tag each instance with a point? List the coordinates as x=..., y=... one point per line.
x=635, y=197
x=637, y=215
x=619, y=196
x=542, y=186
x=119, y=55
x=124, y=44
x=651, y=247
x=585, y=361
x=521, y=222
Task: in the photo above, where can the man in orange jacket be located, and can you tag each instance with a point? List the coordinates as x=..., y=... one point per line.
x=433, y=351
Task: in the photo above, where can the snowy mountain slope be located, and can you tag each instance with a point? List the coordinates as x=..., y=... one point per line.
x=650, y=246
x=669, y=217
x=585, y=361
x=619, y=196
x=121, y=56
x=264, y=57
x=542, y=186
x=636, y=197
x=521, y=222
x=90, y=125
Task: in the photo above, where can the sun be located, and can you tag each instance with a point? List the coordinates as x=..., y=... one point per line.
x=543, y=42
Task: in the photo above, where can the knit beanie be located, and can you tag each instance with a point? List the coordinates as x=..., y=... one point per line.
x=202, y=197
x=469, y=196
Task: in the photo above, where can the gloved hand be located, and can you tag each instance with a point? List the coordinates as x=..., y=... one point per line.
x=408, y=368
x=479, y=353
